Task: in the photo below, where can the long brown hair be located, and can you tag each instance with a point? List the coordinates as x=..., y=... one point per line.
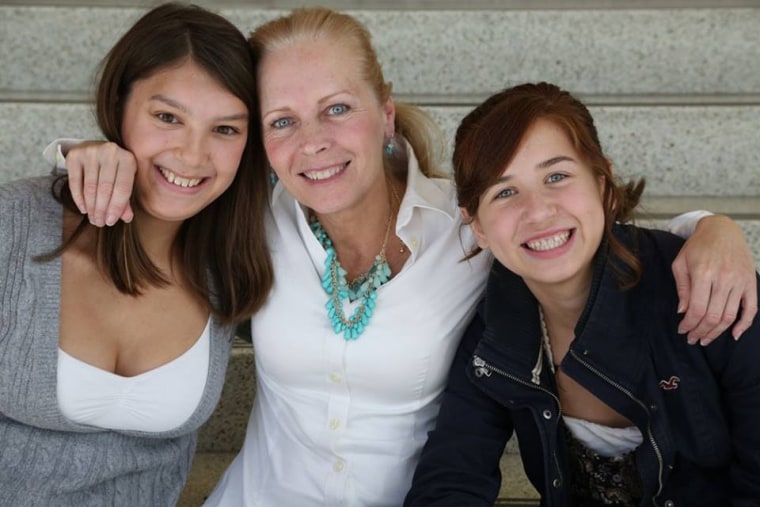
x=315, y=23
x=488, y=138
x=225, y=240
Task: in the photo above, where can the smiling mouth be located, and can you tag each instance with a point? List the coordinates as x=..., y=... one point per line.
x=548, y=243
x=178, y=180
x=323, y=174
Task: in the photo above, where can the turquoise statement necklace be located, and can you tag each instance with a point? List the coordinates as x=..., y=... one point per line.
x=362, y=289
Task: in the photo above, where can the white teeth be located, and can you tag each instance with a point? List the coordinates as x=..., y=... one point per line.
x=324, y=174
x=179, y=181
x=549, y=243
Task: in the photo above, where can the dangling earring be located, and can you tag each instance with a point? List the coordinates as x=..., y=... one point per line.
x=388, y=147
x=272, y=177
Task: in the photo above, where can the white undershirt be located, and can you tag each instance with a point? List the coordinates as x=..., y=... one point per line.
x=158, y=400
x=604, y=440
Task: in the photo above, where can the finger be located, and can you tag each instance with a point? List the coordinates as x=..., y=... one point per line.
x=118, y=205
x=748, y=311
x=711, y=322
x=696, y=306
x=90, y=172
x=74, y=170
x=128, y=214
x=683, y=282
x=108, y=161
x=730, y=312
x=103, y=195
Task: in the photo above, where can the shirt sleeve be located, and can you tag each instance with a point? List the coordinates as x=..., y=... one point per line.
x=54, y=152
x=684, y=224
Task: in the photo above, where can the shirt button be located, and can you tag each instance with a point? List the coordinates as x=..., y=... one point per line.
x=670, y=503
x=547, y=414
x=334, y=378
x=556, y=483
x=339, y=465
x=414, y=243
x=334, y=424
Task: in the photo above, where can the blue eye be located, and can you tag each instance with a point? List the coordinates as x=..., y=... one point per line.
x=281, y=123
x=337, y=109
x=503, y=194
x=555, y=177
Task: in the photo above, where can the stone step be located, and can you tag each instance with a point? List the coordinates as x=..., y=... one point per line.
x=680, y=150
x=467, y=52
x=207, y=468
x=673, y=84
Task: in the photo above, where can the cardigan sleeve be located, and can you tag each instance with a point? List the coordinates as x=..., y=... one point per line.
x=460, y=461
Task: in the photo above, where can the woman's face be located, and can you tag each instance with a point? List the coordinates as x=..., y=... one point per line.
x=544, y=218
x=323, y=125
x=188, y=134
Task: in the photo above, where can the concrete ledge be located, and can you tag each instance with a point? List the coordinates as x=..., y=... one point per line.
x=416, y=4
x=208, y=467
x=442, y=52
x=681, y=150
x=751, y=230
x=224, y=432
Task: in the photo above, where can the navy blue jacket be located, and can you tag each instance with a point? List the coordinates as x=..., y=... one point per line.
x=698, y=408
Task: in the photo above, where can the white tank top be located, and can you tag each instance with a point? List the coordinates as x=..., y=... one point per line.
x=604, y=440
x=158, y=400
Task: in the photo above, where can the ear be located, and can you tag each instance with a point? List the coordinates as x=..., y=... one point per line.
x=389, y=115
x=475, y=227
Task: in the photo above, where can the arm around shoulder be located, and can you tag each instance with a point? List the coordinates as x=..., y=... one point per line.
x=460, y=461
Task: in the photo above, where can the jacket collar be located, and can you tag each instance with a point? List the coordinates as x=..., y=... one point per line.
x=605, y=332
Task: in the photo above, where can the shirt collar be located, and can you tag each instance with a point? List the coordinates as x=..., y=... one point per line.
x=436, y=194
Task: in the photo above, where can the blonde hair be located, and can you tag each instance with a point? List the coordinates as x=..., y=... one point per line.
x=411, y=123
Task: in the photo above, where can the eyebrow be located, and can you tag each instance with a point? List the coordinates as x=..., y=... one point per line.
x=323, y=100
x=173, y=103
x=554, y=160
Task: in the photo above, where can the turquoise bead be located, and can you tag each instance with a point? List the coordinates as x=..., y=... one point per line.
x=339, y=290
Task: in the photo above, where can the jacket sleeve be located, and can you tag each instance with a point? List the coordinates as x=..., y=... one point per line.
x=736, y=367
x=460, y=461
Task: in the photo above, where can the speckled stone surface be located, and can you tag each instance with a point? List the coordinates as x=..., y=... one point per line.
x=751, y=229
x=681, y=150
x=27, y=128
x=616, y=51
x=225, y=430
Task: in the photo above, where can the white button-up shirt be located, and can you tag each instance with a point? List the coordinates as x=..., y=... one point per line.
x=342, y=423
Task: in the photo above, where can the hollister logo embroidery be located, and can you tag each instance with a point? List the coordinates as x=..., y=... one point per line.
x=670, y=384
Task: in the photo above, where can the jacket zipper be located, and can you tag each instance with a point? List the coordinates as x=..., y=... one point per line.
x=482, y=368
x=630, y=395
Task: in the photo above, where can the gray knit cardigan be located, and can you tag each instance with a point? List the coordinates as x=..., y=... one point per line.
x=45, y=459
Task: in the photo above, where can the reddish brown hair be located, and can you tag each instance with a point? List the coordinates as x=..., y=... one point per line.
x=488, y=139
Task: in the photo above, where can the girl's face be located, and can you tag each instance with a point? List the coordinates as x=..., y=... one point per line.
x=323, y=125
x=188, y=134
x=544, y=218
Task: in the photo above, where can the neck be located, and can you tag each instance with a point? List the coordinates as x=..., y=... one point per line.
x=357, y=235
x=157, y=238
x=562, y=304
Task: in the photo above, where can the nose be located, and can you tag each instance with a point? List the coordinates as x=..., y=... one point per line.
x=314, y=138
x=193, y=151
x=537, y=206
